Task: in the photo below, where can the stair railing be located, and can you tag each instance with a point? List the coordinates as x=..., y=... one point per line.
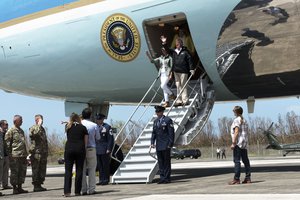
x=133, y=114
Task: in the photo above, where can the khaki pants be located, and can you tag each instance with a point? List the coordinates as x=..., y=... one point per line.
x=180, y=80
x=90, y=164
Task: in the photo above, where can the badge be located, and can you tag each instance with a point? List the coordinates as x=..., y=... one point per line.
x=103, y=130
x=120, y=38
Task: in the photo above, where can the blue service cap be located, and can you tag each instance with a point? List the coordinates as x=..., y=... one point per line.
x=159, y=108
x=100, y=116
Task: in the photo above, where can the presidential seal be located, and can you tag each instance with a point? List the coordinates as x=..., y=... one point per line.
x=120, y=38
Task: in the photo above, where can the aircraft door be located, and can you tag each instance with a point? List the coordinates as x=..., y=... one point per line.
x=172, y=27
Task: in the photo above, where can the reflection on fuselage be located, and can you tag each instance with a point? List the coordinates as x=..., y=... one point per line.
x=263, y=38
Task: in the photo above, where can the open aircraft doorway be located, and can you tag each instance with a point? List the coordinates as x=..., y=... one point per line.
x=171, y=26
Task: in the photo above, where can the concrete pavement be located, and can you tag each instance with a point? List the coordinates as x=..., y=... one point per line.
x=274, y=178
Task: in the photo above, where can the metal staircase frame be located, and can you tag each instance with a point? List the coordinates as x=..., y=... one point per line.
x=180, y=116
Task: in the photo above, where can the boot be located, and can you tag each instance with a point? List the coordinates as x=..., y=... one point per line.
x=20, y=189
x=15, y=190
x=38, y=188
x=165, y=104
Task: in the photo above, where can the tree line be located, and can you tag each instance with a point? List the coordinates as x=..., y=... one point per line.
x=286, y=128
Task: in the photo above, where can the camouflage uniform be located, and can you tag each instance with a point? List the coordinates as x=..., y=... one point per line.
x=39, y=154
x=16, y=149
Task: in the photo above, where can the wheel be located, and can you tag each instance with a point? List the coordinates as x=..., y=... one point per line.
x=191, y=157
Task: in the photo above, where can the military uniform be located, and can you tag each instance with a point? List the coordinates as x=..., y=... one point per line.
x=103, y=145
x=39, y=154
x=163, y=136
x=16, y=149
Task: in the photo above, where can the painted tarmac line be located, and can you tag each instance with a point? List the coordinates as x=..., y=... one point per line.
x=220, y=196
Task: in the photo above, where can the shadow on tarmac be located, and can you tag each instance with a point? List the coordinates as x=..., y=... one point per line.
x=183, y=175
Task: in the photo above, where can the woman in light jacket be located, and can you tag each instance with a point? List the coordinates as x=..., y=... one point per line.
x=165, y=63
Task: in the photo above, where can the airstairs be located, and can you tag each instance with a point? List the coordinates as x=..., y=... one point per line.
x=139, y=165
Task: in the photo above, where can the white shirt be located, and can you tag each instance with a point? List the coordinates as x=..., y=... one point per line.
x=93, y=131
x=242, y=140
x=178, y=50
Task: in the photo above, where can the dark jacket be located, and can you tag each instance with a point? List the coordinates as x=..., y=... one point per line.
x=106, y=141
x=182, y=62
x=163, y=133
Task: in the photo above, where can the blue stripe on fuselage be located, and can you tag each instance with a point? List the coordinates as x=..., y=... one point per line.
x=10, y=9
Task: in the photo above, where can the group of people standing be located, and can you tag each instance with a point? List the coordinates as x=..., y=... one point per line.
x=88, y=144
x=13, y=153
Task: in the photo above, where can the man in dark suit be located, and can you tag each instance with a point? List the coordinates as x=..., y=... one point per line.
x=103, y=149
x=163, y=136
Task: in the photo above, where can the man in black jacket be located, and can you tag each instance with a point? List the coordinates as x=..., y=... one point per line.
x=182, y=66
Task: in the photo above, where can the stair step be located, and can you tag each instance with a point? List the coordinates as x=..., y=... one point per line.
x=136, y=169
x=142, y=145
x=152, y=160
x=119, y=179
x=129, y=176
x=138, y=157
x=147, y=137
x=139, y=153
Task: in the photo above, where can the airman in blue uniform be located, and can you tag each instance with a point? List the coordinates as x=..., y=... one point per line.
x=104, y=148
x=163, y=139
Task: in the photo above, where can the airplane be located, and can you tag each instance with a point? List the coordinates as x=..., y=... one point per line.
x=70, y=50
x=274, y=143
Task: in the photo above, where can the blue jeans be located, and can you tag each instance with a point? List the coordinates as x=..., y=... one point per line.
x=239, y=153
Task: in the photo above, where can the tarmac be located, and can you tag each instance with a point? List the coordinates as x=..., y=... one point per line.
x=272, y=178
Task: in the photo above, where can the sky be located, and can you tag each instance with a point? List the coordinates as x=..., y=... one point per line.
x=53, y=110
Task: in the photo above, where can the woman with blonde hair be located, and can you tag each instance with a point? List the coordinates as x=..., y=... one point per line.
x=77, y=137
x=239, y=135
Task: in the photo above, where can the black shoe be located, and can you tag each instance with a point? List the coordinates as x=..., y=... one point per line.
x=177, y=104
x=77, y=194
x=186, y=103
x=39, y=189
x=167, y=182
x=160, y=182
x=104, y=183
x=16, y=191
x=84, y=193
x=7, y=187
x=22, y=191
x=100, y=183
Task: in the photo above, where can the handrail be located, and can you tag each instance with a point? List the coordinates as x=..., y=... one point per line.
x=139, y=104
x=133, y=113
x=178, y=95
